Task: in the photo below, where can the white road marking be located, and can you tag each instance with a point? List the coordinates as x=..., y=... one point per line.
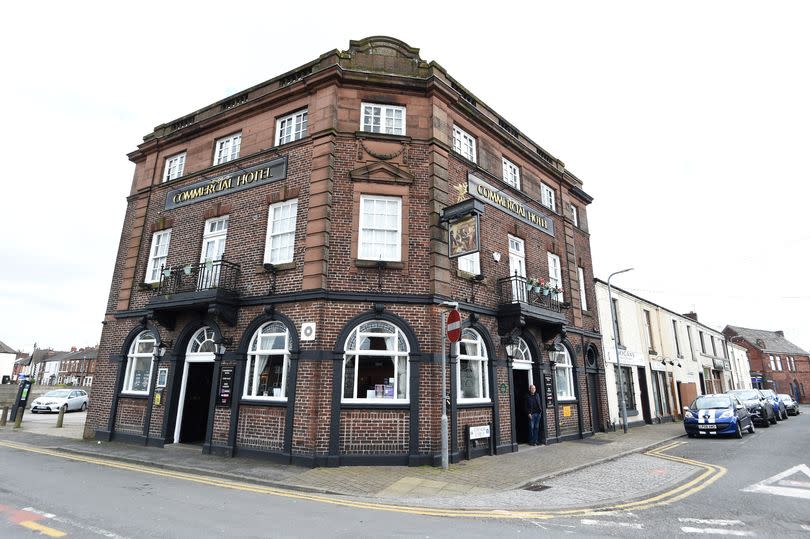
x=791, y=483
x=717, y=531
x=608, y=524
x=69, y=522
x=713, y=522
x=768, y=486
x=806, y=527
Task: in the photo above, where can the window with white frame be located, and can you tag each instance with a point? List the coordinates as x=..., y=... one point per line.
x=470, y=263
x=139, y=364
x=268, y=363
x=772, y=361
x=375, y=364
x=377, y=118
x=464, y=143
x=555, y=275
x=174, y=166
x=227, y=148
x=677, y=341
x=380, y=235
x=564, y=375
x=88, y=381
x=511, y=173
x=574, y=215
x=279, y=248
x=779, y=363
x=202, y=342
x=583, y=299
x=292, y=127
x=472, y=368
x=157, y=255
x=547, y=197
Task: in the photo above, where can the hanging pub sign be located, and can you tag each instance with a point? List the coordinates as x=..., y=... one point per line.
x=267, y=172
x=465, y=237
x=225, y=386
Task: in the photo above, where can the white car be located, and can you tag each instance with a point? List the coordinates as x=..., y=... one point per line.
x=53, y=401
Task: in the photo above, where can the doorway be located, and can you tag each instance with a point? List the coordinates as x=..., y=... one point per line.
x=593, y=396
x=196, y=401
x=645, y=395
x=521, y=381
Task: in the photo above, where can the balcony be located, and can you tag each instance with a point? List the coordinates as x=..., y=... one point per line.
x=209, y=287
x=520, y=304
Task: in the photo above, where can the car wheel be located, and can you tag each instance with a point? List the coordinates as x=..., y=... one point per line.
x=84, y=406
x=766, y=423
x=773, y=419
x=690, y=435
x=738, y=434
x=786, y=414
x=751, y=429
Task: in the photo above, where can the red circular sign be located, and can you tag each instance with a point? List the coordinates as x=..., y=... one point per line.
x=454, y=326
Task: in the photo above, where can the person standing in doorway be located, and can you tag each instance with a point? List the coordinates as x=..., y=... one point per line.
x=535, y=410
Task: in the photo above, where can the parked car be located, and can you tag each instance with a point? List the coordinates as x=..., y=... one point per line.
x=791, y=406
x=778, y=405
x=717, y=414
x=53, y=401
x=758, y=405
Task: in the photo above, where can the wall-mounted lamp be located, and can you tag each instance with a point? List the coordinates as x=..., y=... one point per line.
x=496, y=256
x=160, y=349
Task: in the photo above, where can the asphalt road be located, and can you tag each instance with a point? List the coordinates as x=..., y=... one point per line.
x=52, y=495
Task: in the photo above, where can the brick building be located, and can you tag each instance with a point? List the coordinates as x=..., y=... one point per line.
x=78, y=367
x=775, y=362
x=285, y=254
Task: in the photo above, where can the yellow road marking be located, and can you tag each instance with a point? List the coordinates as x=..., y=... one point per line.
x=711, y=473
x=37, y=527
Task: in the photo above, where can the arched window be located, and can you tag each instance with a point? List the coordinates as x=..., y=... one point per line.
x=202, y=342
x=375, y=365
x=139, y=364
x=519, y=351
x=472, y=369
x=268, y=362
x=564, y=375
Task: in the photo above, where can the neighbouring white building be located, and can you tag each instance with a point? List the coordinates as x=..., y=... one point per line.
x=740, y=366
x=7, y=357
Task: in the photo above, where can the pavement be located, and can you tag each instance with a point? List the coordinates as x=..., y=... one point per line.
x=485, y=481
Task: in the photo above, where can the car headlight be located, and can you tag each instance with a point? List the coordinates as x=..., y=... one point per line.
x=726, y=414
x=688, y=415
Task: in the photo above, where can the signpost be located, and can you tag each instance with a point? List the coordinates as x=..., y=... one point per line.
x=454, y=326
x=451, y=329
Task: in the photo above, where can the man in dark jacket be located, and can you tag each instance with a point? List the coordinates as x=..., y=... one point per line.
x=535, y=410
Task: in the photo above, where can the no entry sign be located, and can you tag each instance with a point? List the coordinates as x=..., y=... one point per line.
x=454, y=326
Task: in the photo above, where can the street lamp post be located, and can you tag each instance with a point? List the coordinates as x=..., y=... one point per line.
x=616, y=347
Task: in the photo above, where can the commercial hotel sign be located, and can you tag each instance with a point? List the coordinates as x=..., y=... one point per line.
x=485, y=192
x=267, y=172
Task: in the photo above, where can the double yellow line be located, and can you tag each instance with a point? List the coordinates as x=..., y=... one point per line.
x=710, y=474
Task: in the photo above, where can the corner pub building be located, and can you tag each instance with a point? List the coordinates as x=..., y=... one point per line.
x=284, y=258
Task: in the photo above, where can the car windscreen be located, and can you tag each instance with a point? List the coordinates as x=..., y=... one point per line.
x=747, y=395
x=704, y=403
x=58, y=393
x=785, y=397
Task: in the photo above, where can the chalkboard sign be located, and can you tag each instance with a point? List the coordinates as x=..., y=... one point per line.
x=549, y=389
x=225, y=386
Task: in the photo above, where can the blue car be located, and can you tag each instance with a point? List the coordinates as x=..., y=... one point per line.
x=718, y=414
x=779, y=408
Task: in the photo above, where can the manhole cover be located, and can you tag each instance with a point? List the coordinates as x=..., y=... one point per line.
x=536, y=487
x=594, y=441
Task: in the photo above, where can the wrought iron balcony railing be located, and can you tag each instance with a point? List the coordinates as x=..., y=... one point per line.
x=208, y=275
x=516, y=289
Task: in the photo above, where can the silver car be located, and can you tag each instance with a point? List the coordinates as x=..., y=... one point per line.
x=53, y=401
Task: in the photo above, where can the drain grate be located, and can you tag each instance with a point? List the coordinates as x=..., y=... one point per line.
x=536, y=487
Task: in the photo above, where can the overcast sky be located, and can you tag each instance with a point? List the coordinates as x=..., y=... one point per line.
x=687, y=121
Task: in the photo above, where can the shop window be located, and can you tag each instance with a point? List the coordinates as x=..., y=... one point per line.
x=268, y=363
x=564, y=375
x=464, y=143
x=174, y=167
x=388, y=119
x=473, y=368
x=627, y=384
x=380, y=228
x=291, y=128
x=139, y=364
x=375, y=364
x=227, y=148
x=158, y=252
x=281, y=221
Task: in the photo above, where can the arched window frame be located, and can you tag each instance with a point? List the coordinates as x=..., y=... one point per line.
x=141, y=350
x=252, y=389
x=354, y=350
x=471, y=338
x=520, y=352
x=564, y=376
x=202, y=342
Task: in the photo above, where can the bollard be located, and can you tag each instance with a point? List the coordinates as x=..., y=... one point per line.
x=4, y=416
x=61, y=417
x=18, y=419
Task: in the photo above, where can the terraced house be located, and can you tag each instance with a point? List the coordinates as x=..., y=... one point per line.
x=284, y=259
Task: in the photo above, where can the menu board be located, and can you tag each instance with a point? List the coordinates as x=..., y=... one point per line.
x=549, y=389
x=225, y=386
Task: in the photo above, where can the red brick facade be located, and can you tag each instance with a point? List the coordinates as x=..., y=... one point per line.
x=329, y=171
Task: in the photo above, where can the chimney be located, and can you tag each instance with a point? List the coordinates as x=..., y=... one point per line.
x=780, y=333
x=72, y=348
x=692, y=315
